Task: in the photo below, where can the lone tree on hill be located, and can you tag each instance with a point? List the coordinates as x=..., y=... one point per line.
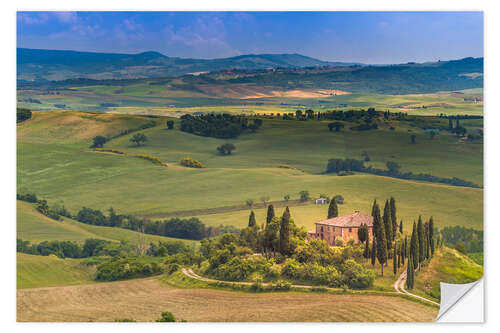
x=170, y=124
x=285, y=232
x=333, y=210
x=392, y=204
x=99, y=141
x=138, y=138
x=304, y=196
x=226, y=149
x=270, y=213
x=387, y=224
x=251, y=220
x=264, y=199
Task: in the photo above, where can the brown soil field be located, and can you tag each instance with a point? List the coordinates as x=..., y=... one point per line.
x=243, y=91
x=145, y=299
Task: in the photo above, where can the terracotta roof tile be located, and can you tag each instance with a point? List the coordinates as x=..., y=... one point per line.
x=352, y=220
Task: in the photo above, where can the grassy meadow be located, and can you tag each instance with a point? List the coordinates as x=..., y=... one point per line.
x=38, y=271
x=55, y=162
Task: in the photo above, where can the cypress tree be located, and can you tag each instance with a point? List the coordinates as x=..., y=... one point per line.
x=270, y=213
x=392, y=204
x=374, y=252
x=285, y=232
x=401, y=226
x=333, y=210
x=394, y=261
x=251, y=219
x=420, y=238
x=414, y=246
x=410, y=273
x=387, y=224
x=381, y=240
x=366, y=254
x=399, y=255
x=431, y=235
x=404, y=251
x=427, y=245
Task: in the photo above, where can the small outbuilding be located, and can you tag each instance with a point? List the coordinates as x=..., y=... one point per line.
x=321, y=201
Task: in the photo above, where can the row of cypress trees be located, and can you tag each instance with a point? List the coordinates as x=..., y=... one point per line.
x=422, y=247
x=282, y=243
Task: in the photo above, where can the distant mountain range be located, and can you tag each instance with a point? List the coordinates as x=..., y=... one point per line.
x=41, y=65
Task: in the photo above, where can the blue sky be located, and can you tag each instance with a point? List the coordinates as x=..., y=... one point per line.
x=368, y=37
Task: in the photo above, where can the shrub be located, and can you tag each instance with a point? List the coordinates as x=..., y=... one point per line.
x=281, y=285
x=226, y=149
x=190, y=163
x=125, y=320
x=356, y=276
x=155, y=160
x=166, y=317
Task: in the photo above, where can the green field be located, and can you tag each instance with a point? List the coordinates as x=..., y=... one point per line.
x=49, y=158
x=38, y=271
x=35, y=227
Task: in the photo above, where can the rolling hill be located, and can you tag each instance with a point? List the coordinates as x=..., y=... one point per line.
x=36, y=64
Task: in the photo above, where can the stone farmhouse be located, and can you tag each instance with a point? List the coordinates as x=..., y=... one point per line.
x=344, y=227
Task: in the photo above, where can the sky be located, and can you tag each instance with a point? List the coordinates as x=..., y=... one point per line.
x=366, y=37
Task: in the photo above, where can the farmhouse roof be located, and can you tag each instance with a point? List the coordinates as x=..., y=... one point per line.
x=347, y=221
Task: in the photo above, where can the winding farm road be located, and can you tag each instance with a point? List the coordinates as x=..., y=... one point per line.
x=399, y=286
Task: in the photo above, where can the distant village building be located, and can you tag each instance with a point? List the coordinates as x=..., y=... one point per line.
x=321, y=201
x=344, y=227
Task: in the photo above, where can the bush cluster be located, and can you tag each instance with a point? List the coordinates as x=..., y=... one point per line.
x=339, y=165
x=126, y=268
x=190, y=163
x=222, y=126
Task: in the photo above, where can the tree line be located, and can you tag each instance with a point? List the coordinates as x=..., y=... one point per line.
x=191, y=228
x=337, y=165
x=222, y=126
x=93, y=247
